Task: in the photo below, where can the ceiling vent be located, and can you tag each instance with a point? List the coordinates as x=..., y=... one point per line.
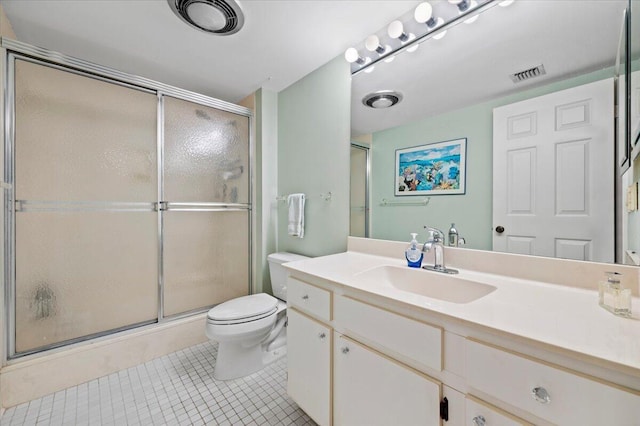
x=220, y=17
x=382, y=99
x=528, y=74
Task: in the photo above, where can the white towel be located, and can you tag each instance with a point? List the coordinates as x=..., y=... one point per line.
x=296, y=215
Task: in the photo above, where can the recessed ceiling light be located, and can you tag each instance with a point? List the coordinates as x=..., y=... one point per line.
x=221, y=17
x=382, y=99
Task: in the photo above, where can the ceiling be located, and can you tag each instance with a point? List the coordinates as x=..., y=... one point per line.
x=472, y=63
x=281, y=41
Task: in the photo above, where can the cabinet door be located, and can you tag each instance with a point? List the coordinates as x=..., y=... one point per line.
x=371, y=389
x=309, y=366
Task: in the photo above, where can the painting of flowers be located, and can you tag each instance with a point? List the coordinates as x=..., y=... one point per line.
x=434, y=169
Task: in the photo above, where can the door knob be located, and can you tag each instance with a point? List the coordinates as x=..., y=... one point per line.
x=499, y=229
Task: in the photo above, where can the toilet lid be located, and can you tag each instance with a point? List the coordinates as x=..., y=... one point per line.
x=244, y=307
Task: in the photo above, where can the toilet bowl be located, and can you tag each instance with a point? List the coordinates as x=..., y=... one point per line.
x=250, y=330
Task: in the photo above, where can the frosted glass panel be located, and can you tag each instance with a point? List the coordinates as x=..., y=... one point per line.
x=206, y=258
x=206, y=154
x=81, y=139
x=83, y=273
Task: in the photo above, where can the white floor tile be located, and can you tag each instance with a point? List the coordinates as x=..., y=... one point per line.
x=177, y=389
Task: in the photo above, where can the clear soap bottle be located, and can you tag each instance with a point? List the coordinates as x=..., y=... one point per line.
x=413, y=254
x=613, y=297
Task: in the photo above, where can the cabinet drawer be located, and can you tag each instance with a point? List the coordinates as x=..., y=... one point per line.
x=572, y=398
x=479, y=413
x=399, y=336
x=308, y=298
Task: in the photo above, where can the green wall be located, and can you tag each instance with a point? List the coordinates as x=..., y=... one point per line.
x=313, y=157
x=471, y=212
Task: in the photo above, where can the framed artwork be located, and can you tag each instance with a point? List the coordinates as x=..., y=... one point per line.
x=433, y=169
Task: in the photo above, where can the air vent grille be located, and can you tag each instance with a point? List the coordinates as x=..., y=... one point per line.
x=382, y=99
x=528, y=74
x=229, y=9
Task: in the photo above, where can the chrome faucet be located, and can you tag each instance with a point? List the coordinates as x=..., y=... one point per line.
x=435, y=241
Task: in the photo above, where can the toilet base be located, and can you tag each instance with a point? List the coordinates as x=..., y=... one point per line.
x=235, y=360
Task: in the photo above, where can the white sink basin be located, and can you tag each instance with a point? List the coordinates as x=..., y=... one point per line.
x=435, y=285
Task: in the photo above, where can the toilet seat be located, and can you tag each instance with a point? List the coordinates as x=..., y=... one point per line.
x=243, y=309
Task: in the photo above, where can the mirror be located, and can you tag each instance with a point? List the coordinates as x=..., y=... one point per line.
x=450, y=87
x=631, y=222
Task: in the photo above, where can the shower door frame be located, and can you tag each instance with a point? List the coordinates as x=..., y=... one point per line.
x=11, y=51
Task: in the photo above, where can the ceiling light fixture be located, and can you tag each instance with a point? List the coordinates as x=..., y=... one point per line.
x=219, y=17
x=437, y=17
x=396, y=30
x=424, y=15
x=352, y=55
x=373, y=45
x=462, y=5
x=382, y=99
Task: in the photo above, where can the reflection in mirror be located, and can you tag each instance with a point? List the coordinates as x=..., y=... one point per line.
x=630, y=213
x=556, y=129
x=359, y=190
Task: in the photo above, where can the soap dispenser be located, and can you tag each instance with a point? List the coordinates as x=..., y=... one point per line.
x=453, y=236
x=413, y=254
x=613, y=297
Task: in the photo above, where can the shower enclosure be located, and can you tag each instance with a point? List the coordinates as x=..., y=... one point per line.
x=127, y=202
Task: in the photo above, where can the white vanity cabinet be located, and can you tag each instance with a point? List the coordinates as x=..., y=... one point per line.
x=356, y=359
x=309, y=349
x=371, y=389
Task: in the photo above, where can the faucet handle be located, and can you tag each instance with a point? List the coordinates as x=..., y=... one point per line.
x=435, y=234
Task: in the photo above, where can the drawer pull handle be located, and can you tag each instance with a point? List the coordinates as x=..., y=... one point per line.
x=322, y=335
x=541, y=395
x=479, y=421
x=305, y=297
x=345, y=350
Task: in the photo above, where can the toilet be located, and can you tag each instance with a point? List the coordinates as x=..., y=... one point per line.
x=250, y=330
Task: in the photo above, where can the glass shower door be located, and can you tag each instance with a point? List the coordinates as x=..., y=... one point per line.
x=359, y=192
x=206, y=212
x=86, y=182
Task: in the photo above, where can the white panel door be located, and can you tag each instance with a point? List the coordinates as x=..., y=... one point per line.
x=309, y=366
x=553, y=174
x=370, y=389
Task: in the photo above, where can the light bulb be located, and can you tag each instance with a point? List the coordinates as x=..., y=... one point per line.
x=351, y=55
x=423, y=12
x=389, y=59
x=505, y=3
x=396, y=30
x=370, y=69
x=413, y=48
x=373, y=44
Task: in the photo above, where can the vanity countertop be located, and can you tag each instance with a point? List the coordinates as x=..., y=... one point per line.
x=564, y=317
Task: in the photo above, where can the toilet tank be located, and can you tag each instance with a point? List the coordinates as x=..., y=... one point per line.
x=279, y=274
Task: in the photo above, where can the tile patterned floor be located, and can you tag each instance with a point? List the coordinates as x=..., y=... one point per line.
x=177, y=389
